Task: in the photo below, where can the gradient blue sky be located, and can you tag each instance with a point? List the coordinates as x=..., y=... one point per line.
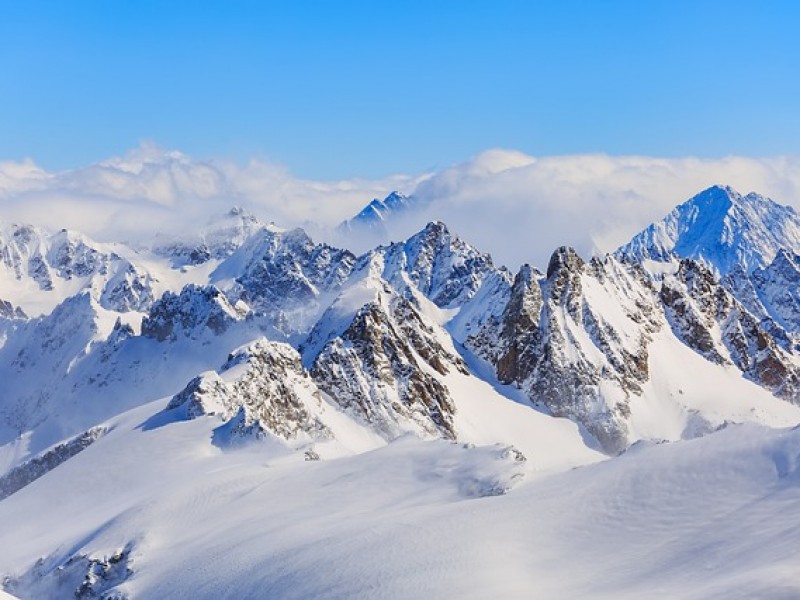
x=341, y=89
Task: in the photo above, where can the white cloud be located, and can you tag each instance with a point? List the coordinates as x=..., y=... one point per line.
x=516, y=206
x=151, y=190
x=593, y=202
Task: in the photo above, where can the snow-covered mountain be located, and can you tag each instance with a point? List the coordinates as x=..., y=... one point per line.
x=148, y=388
x=218, y=240
x=374, y=216
x=722, y=229
x=750, y=241
x=39, y=269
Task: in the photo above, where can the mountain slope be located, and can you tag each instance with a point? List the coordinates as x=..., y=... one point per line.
x=179, y=517
x=608, y=346
x=38, y=269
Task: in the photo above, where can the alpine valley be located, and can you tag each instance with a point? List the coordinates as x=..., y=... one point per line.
x=245, y=413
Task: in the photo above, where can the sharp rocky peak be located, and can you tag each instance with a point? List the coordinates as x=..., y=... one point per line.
x=446, y=269
x=564, y=258
x=190, y=313
x=379, y=370
x=380, y=210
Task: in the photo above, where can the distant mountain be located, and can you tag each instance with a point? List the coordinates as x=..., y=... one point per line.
x=373, y=218
x=217, y=240
x=722, y=229
x=40, y=268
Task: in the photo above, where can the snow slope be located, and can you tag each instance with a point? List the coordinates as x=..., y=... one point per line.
x=693, y=519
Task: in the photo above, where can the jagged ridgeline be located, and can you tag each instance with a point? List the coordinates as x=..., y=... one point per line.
x=693, y=324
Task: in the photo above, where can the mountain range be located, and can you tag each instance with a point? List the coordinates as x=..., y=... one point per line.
x=244, y=412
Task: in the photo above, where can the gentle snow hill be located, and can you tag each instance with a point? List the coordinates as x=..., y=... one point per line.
x=162, y=513
x=721, y=228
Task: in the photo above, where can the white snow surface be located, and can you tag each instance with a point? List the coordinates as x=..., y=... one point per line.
x=413, y=519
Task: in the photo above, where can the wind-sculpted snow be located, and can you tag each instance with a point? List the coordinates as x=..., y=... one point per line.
x=80, y=576
x=411, y=519
x=576, y=340
x=28, y=472
x=248, y=413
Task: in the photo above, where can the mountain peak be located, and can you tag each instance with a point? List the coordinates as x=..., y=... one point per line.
x=373, y=217
x=721, y=228
x=564, y=257
x=436, y=228
x=718, y=196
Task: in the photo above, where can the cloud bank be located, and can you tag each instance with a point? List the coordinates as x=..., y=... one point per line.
x=152, y=190
x=524, y=207
x=518, y=207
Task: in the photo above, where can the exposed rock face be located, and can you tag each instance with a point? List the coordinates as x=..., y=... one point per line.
x=284, y=275
x=440, y=265
x=712, y=322
x=9, y=311
x=191, y=313
x=128, y=289
x=384, y=370
x=206, y=394
x=261, y=388
x=80, y=576
x=29, y=471
x=578, y=340
x=692, y=301
x=519, y=333
x=772, y=294
x=556, y=345
x=750, y=241
x=778, y=288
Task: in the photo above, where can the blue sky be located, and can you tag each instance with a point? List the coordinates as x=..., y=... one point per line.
x=342, y=89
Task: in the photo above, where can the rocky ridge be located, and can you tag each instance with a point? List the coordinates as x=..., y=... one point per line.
x=376, y=336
